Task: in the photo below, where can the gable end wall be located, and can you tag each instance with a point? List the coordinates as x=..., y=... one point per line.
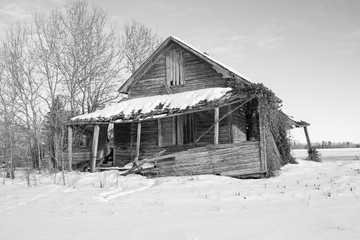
x=198, y=75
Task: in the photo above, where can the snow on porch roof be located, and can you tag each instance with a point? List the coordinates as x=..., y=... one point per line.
x=157, y=106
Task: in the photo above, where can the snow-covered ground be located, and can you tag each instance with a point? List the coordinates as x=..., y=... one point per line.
x=306, y=201
x=331, y=153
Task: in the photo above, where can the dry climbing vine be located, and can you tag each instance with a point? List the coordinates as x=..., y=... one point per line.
x=275, y=121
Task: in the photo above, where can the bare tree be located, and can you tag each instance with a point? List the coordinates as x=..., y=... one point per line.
x=47, y=45
x=138, y=43
x=19, y=72
x=90, y=59
x=7, y=119
x=78, y=59
x=60, y=65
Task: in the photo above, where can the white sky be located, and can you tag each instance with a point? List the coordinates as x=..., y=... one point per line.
x=307, y=52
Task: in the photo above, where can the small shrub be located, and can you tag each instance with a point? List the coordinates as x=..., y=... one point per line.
x=102, y=181
x=314, y=155
x=28, y=172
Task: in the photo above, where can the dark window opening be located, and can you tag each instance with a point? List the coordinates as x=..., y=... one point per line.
x=179, y=130
x=185, y=129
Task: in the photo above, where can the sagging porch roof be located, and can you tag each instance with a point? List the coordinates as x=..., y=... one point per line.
x=159, y=106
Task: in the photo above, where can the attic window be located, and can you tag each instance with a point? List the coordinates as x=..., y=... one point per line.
x=175, y=68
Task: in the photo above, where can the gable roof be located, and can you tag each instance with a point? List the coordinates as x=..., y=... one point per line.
x=163, y=48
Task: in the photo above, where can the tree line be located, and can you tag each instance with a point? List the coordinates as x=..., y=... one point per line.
x=326, y=144
x=63, y=63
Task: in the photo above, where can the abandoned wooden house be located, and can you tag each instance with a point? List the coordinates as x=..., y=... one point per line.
x=181, y=116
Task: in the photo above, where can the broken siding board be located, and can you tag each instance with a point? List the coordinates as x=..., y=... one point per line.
x=215, y=161
x=176, y=68
x=228, y=152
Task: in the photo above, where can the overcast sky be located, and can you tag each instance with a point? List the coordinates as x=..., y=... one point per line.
x=307, y=52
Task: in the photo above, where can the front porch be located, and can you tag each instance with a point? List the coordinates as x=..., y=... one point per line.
x=219, y=140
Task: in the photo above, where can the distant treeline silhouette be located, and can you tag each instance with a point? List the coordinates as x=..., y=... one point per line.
x=326, y=144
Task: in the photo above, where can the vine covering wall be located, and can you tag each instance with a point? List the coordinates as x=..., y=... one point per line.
x=275, y=123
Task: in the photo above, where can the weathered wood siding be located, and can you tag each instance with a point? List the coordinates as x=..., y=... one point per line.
x=238, y=124
x=227, y=159
x=80, y=154
x=197, y=73
x=84, y=153
x=224, y=127
x=203, y=121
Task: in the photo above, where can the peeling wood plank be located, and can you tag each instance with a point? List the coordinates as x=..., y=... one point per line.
x=168, y=69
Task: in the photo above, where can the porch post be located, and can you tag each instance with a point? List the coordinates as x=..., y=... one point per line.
x=216, y=127
x=138, y=140
x=94, y=148
x=70, y=141
x=307, y=138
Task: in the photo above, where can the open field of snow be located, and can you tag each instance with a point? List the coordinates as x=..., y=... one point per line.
x=331, y=153
x=306, y=201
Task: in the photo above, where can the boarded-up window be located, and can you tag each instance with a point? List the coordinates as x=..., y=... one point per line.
x=175, y=68
x=176, y=130
x=185, y=129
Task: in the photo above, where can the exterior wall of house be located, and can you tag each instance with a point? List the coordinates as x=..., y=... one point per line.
x=83, y=153
x=197, y=73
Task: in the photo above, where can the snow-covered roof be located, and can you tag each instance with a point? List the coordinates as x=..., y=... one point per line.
x=158, y=106
x=217, y=65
